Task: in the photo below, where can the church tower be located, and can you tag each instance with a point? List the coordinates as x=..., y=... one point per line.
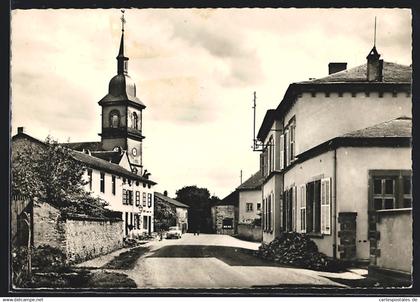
x=122, y=113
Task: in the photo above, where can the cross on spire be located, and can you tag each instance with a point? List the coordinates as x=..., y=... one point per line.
x=122, y=20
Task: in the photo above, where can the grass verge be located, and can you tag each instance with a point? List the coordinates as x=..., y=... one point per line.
x=126, y=260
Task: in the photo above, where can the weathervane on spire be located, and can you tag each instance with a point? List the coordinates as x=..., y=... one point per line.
x=122, y=19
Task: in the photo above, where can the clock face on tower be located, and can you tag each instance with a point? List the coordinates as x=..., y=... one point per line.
x=134, y=151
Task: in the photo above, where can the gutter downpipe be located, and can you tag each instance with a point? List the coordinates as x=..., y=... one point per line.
x=335, y=205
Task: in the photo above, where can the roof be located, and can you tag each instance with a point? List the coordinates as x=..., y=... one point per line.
x=110, y=156
x=80, y=146
x=396, y=77
x=231, y=199
x=103, y=165
x=267, y=122
x=252, y=183
x=392, y=73
x=94, y=162
x=395, y=133
x=399, y=127
x=167, y=199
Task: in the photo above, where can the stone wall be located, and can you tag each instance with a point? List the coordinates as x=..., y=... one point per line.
x=395, y=246
x=79, y=238
x=86, y=239
x=249, y=232
x=220, y=213
x=48, y=226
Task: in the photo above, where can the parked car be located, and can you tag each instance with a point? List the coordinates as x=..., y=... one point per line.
x=174, y=232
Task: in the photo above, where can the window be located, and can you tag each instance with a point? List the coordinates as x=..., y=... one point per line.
x=259, y=206
x=270, y=154
x=145, y=222
x=289, y=142
x=135, y=121
x=137, y=198
x=114, y=119
x=113, y=184
x=269, y=226
x=149, y=200
x=127, y=197
x=289, y=209
x=90, y=179
x=302, y=208
x=282, y=152
x=318, y=207
x=130, y=197
x=264, y=216
x=102, y=182
x=391, y=189
x=144, y=199
x=249, y=207
x=326, y=206
x=292, y=141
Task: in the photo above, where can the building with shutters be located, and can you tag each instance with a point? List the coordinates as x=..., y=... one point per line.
x=114, y=165
x=336, y=153
x=180, y=209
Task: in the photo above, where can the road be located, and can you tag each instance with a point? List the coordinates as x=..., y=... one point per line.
x=217, y=261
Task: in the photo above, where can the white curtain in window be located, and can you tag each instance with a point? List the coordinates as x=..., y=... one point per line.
x=282, y=152
x=326, y=206
x=303, y=208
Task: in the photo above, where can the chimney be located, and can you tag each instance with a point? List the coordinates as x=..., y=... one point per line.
x=165, y=193
x=334, y=67
x=20, y=130
x=374, y=66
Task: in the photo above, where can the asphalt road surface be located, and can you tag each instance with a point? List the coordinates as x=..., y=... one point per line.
x=216, y=261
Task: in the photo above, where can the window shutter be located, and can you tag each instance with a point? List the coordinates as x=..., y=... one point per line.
x=287, y=143
x=326, y=206
x=294, y=208
x=137, y=198
x=303, y=208
x=282, y=152
x=124, y=196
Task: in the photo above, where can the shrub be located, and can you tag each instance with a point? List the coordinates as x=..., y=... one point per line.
x=48, y=259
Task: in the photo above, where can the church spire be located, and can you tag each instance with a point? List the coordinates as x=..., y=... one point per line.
x=121, y=59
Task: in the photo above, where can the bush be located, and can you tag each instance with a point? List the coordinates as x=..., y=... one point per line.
x=49, y=259
x=298, y=250
x=20, y=266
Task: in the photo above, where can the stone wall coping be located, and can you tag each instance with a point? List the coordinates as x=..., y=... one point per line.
x=89, y=218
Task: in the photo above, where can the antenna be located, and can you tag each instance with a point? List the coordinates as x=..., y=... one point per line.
x=255, y=112
x=255, y=146
x=374, y=35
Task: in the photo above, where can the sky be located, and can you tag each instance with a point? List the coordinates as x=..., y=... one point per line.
x=195, y=70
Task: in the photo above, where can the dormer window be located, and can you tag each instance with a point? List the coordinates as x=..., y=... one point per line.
x=114, y=119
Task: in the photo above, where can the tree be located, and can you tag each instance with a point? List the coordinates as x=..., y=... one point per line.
x=199, y=201
x=48, y=172
x=165, y=215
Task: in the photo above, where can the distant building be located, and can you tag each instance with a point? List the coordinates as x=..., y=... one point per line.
x=250, y=194
x=180, y=209
x=250, y=207
x=337, y=154
x=225, y=214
